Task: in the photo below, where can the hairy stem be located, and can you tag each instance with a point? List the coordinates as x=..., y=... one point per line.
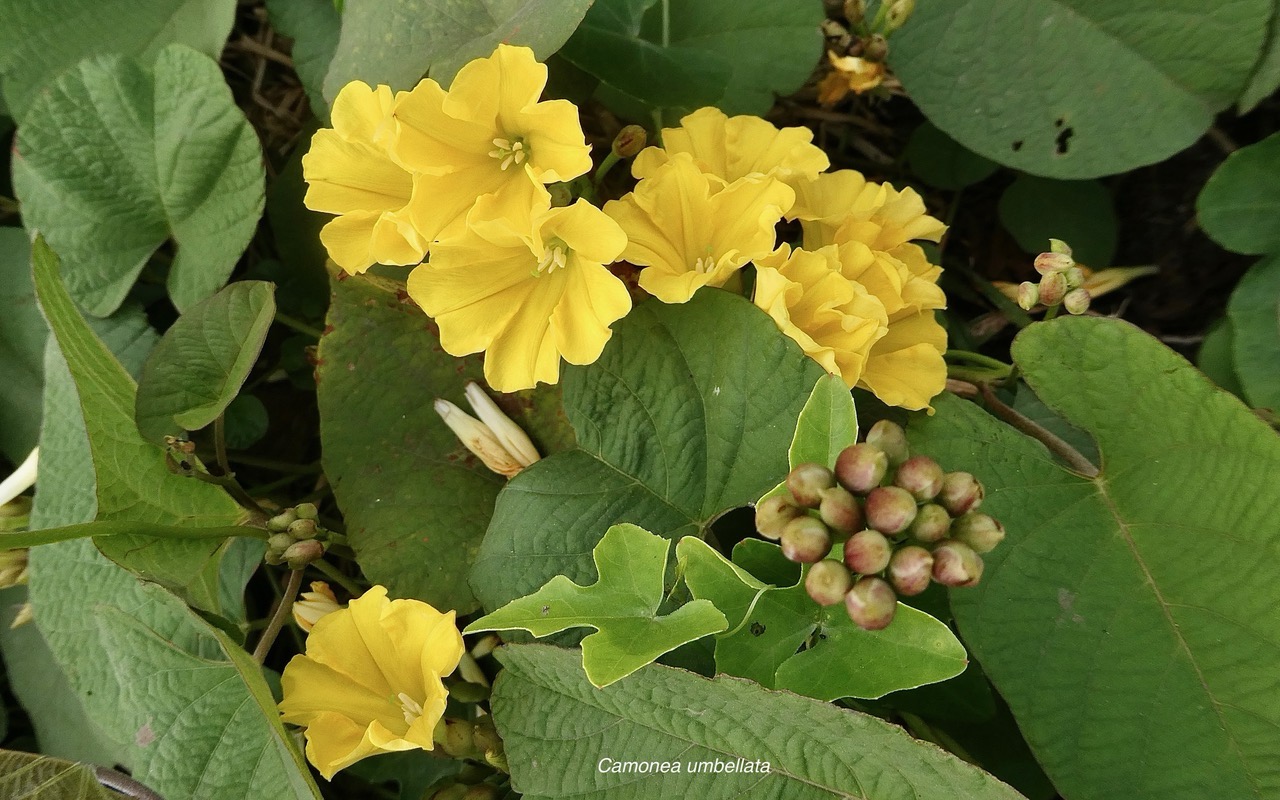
x=277, y=619
x=1056, y=445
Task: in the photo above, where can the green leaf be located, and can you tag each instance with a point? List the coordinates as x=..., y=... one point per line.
x=687, y=414
x=399, y=41
x=41, y=40
x=768, y=624
x=201, y=362
x=22, y=337
x=1217, y=357
x=1080, y=213
x=114, y=159
x=34, y=777
x=1028, y=405
x=1239, y=206
x=1266, y=75
x=415, y=501
x=684, y=54
x=1254, y=312
x=247, y=422
x=942, y=162
x=313, y=25
x=557, y=728
x=1078, y=88
x=828, y=423
x=622, y=606
x=1129, y=619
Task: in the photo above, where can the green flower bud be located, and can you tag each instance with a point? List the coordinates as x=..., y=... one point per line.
x=1075, y=278
x=955, y=564
x=860, y=468
x=306, y=511
x=855, y=10
x=806, y=483
x=629, y=141
x=890, y=510
x=979, y=531
x=279, y=542
x=1077, y=301
x=867, y=552
x=910, y=570
x=273, y=557
x=300, y=554
x=304, y=529
x=892, y=439
x=875, y=47
x=481, y=791
x=899, y=12
x=1049, y=263
x=921, y=476
x=1059, y=246
x=871, y=603
x=961, y=493
x=1053, y=287
x=806, y=540
x=840, y=510
x=282, y=521
x=827, y=582
x=773, y=514
x=454, y=791
x=932, y=523
x=1028, y=295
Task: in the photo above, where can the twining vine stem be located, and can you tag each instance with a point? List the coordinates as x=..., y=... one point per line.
x=277, y=619
x=1056, y=445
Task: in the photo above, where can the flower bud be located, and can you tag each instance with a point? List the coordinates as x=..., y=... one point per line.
x=932, y=523
x=1053, y=287
x=921, y=476
x=979, y=531
x=961, y=493
x=855, y=10
x=279, y=542
x=13, y=567
x=306, y=511
x=773, y=514
x=300, y=554
x=827, y=582
x=806, y=483
x=871, y=603
x=899, y=12
x=629, y=141
x=867, y=552
x=1049, y=263
x=1077, y=301
x=890, y=510
x=875, y=48
x=481, y=791
x=304, y=529
x=1059, y=246
x=892, y=439
x=281, y=522
x=861, y=467
x=806, y=540
x=910, y=570
x=1028, y=295
x=840, y=510
x=311, y=606
x=956, y=564
x=1075, y=278
x=26, y=613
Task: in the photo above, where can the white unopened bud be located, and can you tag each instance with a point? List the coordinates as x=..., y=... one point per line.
x=311, y=606
x=21, y=480
x=512, y=437
x=480, y=439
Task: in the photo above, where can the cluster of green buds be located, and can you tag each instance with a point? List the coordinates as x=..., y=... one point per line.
x=894, y=521
x=1061, y=282
x=296, y=537
x=473, y=740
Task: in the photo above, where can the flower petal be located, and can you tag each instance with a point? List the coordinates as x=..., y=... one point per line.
x=593, y=300
x=345, y=176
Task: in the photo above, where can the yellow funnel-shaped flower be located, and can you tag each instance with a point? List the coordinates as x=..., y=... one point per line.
x=845, y=206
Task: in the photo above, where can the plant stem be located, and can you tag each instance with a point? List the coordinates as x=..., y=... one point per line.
x=1052, y=312
x=124, y=784
x=298, y=325
x=277, y=619
x=979, y=359
x=666, y=23
x=1056, y=445
x=278, y=466
x=334, y=574
x=220, y=444
x=610, y=159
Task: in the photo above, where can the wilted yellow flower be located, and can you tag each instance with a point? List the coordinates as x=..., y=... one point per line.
x=528, y=286
x=311, y=606
x=845, y=206
x=688, y=232
x=736, y=147
x=351, y=173
x=370, y=681
x=487, y=133
x=849, y=74
x=494, y=438
x=834, y=320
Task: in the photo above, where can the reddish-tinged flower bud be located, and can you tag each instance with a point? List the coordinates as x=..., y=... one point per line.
x=806, y=540
x=806, y=483
x=840, y=510
x=860, y=468
x=306, y=511
x=1028, y=295
x=1075, y=278
x=871, y=603
x=921, y=476
x=281, y=522
x=279, y=542
x=1047, y=263
x=773, y=514
x=979, y=531
x=827, y=582
x=304, y=529
x=961, y=493
x=1053, y=287
x=867, y=552
x=931, y=524
x=300, y=554
x=1077, y=301
x=890, y=510
x=629, y=141
x=910, y=570
x=892, y=439
x=956, y=564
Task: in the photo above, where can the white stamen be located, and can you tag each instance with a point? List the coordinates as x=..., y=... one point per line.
x=21, y=480
x=508, y=152
x=411, y=708
x=553, y=258
x=704, y=264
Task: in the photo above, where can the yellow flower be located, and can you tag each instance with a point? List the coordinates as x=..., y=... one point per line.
x=845, y=206
x=688, y=232
x=350, y=172
x=905, y=367
x=313, y=605
x=527, y=288
x=736, y=147
x=488, y=133
x=833, y=319
x=849, y=74
x=370, y=681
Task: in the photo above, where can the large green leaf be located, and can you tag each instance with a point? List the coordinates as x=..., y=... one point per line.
x=399, y=41
x=415, y=502
x=561, y=733
x=27, y=776
x=22, y=337
x=828, y=423
x=623, y=607
x=1254, y=314
x=687, y=414
x=1129, y=620
x=40, y=39
x=684, y=54
x=1216, y=357
x=770, y=623
x=943, y=162
x=313, y=25
x=1078, y=88
x=114, y=159
x=1240, y=205
x=203, y=360
x=1266, y=74
x=1080, y=213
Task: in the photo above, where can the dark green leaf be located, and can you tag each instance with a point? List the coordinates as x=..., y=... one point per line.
x=1217, y=357
x=313, y=25
x=943, y=162
x=1080, y=213
x=26, y=776
x=1254, y=312
x=1240, y=205
x=22, y=337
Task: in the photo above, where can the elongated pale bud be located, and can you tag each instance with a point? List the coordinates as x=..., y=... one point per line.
x=979, y=531
x=827, y=582
x=23, y=478
x=961, y=493
x=955, y=564
x=479, y=439
x=1028, y=295
x=871, y=603
x=1077, y=301
x=807, y=482
x=24, y=615
x=892, y=439
x=1053, y=287
x=510, y=435
x=840, y=510
x=13, y=567
x=1048, y=263
x=806, y=540
x=861, y=467
x=867, y=552
x=890, y=510
x=311, y=606
x=773, y=514
x=899, y=12
x=629, y=141
x=932, y=523
x=921, y=476
x=910, y=570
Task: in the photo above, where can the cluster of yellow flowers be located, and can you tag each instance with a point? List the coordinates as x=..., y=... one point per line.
x=459, y=178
